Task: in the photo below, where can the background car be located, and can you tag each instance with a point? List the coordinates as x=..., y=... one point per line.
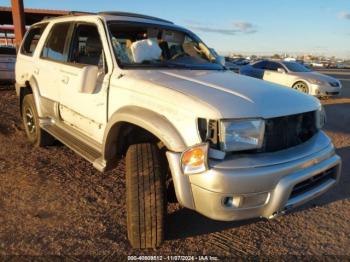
x=341, y=66
x=232, y=66
x=238, y=61
x=235, y=64
x=317, y=64
x=293, y=75
x=7, y=64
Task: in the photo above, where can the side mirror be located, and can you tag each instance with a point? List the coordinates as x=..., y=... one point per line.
x=221, y=60
x=218, y=59
x=281, y=70
x=88, y=79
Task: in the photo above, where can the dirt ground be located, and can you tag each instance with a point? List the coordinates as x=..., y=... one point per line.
x=53, y=202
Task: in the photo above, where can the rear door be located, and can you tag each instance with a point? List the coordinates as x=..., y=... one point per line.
x=86, y=112
x=25, y=57
x=53, y=55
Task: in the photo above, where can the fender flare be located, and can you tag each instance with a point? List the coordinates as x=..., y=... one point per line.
x=33, y=85
x=153, y=122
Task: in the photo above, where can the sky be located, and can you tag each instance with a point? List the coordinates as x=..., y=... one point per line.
x=320, y=27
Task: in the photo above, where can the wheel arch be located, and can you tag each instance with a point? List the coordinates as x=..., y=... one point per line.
x=145, y=119
x=30, y=87
x=300, y=81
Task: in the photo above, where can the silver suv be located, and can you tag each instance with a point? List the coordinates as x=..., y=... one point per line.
x=116, y=84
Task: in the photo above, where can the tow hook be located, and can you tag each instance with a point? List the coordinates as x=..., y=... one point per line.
x=277, y=214
x=280, y=213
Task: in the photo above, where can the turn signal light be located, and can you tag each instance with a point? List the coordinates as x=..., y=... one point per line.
x=194, y=160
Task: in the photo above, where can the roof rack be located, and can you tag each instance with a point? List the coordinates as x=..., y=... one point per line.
x=80, y=13
x=68, y=14
x=134, y=15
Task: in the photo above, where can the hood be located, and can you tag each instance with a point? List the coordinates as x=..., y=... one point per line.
x=316, y=76
x=233, y=95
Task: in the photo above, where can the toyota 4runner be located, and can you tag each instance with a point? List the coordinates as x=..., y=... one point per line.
x=116, y=84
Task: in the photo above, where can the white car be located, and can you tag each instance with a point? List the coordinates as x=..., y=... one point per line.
x=294, y=75
x=7, y=64
x=116, y=84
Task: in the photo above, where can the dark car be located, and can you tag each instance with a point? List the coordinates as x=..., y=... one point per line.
x=7, y=64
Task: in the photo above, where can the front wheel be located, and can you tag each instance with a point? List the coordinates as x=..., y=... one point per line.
x=302, y=87
x=145, y=199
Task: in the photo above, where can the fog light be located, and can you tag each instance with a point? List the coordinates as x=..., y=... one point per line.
x=232, y=201
x=255, y=200
x=247, y=201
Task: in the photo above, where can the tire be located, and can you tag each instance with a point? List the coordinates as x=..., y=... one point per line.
x=146, y=198
x=35, y=134
x=302, y=87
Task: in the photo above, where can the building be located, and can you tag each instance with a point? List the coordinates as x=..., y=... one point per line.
x=16, y=19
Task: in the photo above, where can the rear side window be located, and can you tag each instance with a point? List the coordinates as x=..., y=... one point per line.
x=32, y=39
x=260, y=65
x=273, y=66
x=56, y=44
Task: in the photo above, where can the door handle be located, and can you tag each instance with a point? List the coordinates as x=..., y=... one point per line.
x=65, y=80
x=36, y=71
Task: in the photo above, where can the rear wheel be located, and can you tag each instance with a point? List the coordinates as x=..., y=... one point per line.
x=35, y=134
x=145, y=200
x=302, y=87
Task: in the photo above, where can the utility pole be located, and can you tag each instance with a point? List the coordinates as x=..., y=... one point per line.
x=18, y=21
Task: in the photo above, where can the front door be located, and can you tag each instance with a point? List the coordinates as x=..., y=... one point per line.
x=86, y=112
x=272, y=74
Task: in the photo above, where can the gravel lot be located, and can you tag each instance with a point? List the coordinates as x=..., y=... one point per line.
x=52, y=202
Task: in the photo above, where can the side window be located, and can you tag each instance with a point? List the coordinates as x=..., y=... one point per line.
x=260, y=65
x=86, y=47
x=190, y=47
x=32, y=39
x=55, y=46
x=272, y=66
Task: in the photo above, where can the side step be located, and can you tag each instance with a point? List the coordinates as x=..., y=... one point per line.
x=79, y=143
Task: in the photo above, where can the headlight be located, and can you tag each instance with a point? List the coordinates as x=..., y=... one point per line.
x=195, y=159
x=239, y=135
x=320, y=117
x=317, y=82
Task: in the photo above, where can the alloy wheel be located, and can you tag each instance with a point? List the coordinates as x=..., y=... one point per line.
x=29, y=120
x=301, y=87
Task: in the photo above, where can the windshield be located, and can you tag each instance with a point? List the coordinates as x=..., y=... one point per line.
x=296, y=67
x=152, y=46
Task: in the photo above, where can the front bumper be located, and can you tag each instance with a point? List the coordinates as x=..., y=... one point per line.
x=325, y=90
x=273, y=175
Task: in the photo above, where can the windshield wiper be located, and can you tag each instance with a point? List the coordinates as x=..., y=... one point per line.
x=177, y=65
